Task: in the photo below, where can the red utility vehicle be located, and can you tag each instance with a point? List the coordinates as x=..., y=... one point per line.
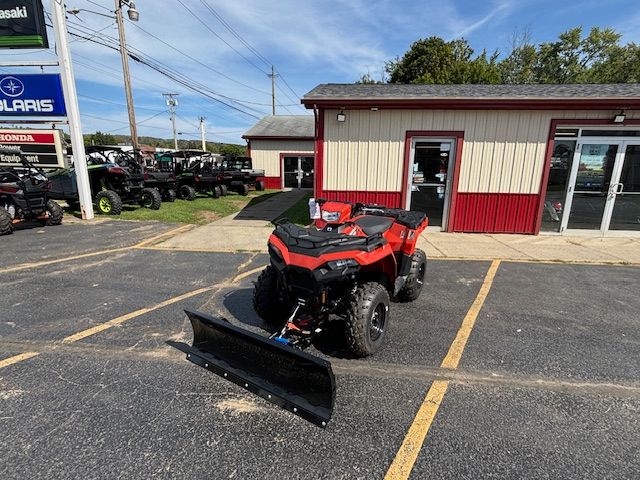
x=345, y=269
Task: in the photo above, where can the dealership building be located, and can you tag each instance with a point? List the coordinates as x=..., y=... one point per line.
x=475, y=158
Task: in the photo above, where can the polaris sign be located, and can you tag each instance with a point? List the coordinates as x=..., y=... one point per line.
x=32, y=95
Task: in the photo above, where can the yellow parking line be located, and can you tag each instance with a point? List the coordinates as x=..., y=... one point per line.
x=123, y=318
x=18, y=358
x=410, y=448
x=43, y=263
x=457, y=347
x=240, y=276
x=128, y=316
x=412, y=444
x=25, y=266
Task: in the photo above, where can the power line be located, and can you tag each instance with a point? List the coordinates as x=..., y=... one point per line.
x=218, y=36
x=173, y=76
x=201, y=63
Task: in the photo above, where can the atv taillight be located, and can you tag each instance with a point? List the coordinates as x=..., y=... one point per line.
x=116, y=170
x=197, y=178
x=9, y=189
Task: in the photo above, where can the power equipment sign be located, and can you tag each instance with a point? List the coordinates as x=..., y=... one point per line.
x=42, y=147
x=22, y=24
x=32, y=95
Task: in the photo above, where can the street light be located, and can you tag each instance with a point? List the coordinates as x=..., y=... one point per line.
x=134, y=16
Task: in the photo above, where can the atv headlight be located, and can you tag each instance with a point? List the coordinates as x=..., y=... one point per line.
x=343, y=263
x=330, y=216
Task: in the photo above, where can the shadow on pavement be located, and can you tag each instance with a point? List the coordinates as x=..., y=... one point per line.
x=330, y=342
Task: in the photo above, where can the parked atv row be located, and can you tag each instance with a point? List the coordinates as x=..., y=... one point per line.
x=210, y=174
x=116, y=178
x=24, y=195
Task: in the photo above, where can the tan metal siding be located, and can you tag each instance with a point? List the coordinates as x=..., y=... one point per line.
x=503, y=150
x=266, y=153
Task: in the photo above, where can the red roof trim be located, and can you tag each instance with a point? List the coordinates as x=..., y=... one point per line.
x=480, y=103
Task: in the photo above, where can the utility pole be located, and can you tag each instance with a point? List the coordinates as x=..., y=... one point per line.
x=273, y=76
x=172, y=103
x=124, y=55
x=73, y=111
x=202, y=136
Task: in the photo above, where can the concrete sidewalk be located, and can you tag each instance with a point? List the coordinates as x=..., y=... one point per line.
x=248, y=230
x=229, y=235
x=540, y=248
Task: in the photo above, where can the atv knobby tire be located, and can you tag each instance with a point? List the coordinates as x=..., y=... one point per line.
x=187, y=193
x=169, y=195
x=108, y=202
x=243, y=189
x=260, y=185
x=6, y=226
x=150, y=198
x=223, y=190
x=413, y=285
x=54, y=212
x=367, y=319
x=266, y=300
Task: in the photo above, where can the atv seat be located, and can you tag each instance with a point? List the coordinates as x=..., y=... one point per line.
x=373, y=224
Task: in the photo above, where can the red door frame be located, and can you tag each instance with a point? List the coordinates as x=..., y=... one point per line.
x=574, y=122
x=459, y=138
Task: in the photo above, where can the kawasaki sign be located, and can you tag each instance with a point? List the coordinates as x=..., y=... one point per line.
x=33, y=95
x=22, y=24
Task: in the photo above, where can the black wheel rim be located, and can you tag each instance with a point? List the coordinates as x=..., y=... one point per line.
x=421, y=271
x=146, y=200
x=378, y=322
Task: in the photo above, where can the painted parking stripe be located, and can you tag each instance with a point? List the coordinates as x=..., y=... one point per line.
x=18, y=358
x=148, y=241
x=123, y=318
x=412, y=444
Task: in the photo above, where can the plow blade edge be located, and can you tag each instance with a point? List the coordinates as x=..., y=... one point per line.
x=296, y=381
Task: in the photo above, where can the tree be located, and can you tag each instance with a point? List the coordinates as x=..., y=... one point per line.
x=434, y=60
x=99, y=138
x=572, y=58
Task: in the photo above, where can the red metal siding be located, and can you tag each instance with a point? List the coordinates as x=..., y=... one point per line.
x=272, y=182
x=495, y=213
x=389, y=199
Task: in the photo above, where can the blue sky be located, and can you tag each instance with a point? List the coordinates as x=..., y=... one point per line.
x=309, y=42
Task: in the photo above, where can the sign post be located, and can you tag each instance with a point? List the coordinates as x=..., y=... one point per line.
x=73, y=111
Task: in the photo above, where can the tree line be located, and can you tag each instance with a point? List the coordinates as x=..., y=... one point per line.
x=100, y=138
x=598, y=57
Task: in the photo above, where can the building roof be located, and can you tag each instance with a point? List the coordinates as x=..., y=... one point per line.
x=508, y=96
x=283, y=126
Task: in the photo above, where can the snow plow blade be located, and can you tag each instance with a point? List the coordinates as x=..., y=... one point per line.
x=292, y=379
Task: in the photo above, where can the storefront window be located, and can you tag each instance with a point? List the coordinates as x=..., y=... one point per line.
x=561, y=159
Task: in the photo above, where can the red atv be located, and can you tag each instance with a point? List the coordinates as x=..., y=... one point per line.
x=345, y=269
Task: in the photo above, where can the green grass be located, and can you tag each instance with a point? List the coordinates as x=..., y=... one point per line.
x=299, y=212
x=200, y=211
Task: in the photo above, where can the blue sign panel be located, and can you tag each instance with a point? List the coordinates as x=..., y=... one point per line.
x=32, y=95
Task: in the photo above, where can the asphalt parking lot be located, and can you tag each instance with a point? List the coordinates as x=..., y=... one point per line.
x=540, y=378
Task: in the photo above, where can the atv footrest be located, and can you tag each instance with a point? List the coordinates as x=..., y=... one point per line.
x=294, y=380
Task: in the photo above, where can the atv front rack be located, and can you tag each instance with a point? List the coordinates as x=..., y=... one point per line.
x=292, y=379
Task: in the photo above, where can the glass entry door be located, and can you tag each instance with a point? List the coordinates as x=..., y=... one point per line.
x=626, y=207
x=604, y=187
x=430, y=178
x=298, y=171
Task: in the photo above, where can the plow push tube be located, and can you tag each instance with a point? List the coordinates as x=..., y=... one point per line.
x=292, y=379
